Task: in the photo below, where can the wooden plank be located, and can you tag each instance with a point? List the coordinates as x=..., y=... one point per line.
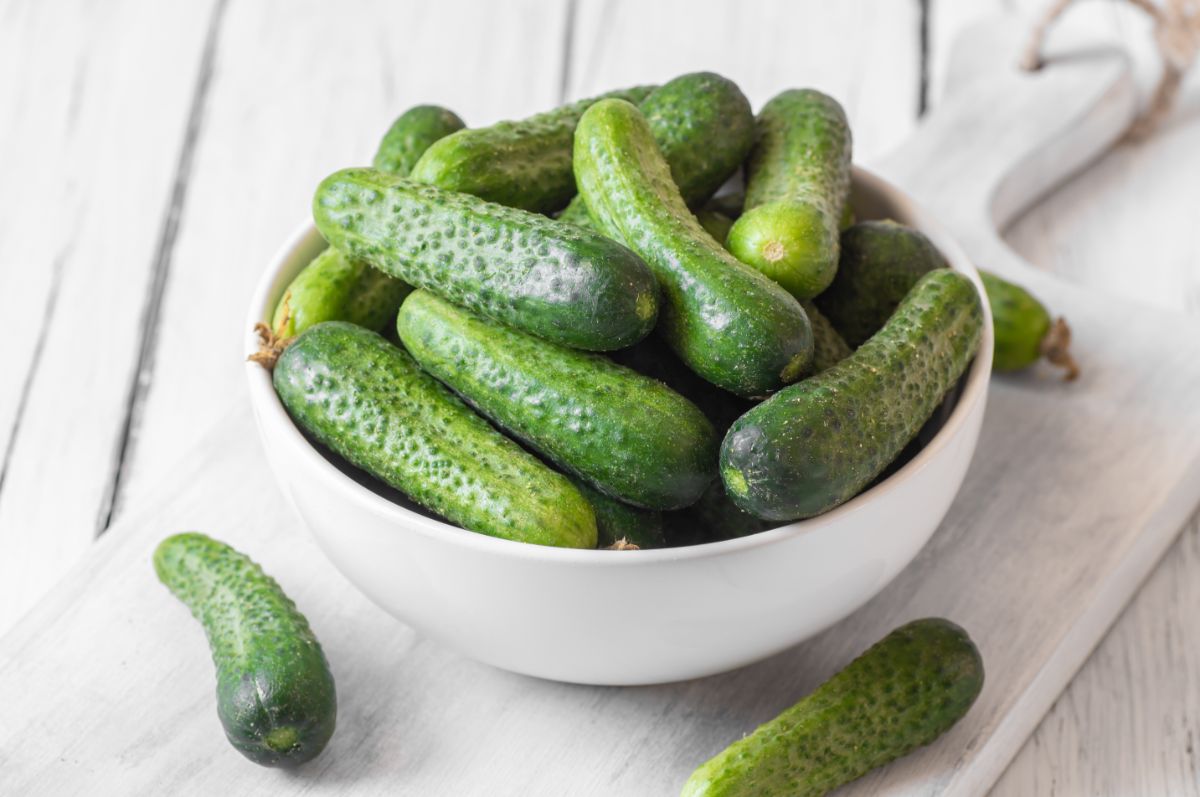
x=88, y=173
x=867, y=54
x=316, y=97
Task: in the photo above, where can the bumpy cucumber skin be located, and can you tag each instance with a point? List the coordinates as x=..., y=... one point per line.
x=369, y=402
x=903, y=693
x=334, y=288
x=816, y=444
x=1020, y=322
x=703, y=126
x=524, y=164
x=829, y=348
x=560, y=282
x=413, y=132
x=730, y=324
x=627, y=435
x=616, y=520
x=880, y=262
x=798, y=183
x=275, y=694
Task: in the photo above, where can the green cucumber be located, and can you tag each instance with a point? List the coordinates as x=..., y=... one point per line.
x=1024, y=330
x=711, y=519
x=371, y=404
x=730, y=324
x=625, y=434
x=620, y=525
x=703, y=126
x=334, y=288
x=901, y=694
x=275, y=694
x=797, y=186
x=816, y=444
x=413, y=132
x=560, y=282
x=524, y=164
x=880, y=262
x=829, y=347
x=715, y=223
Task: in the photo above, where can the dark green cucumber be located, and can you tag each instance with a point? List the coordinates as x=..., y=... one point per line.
x=711, y=519
x=558, y=281
x=413, y=132
x=1023, y=328
x=901, y=694
x=370, y=403
x=703, y=126
x=829, y=347
x=715, y=224
x=730, y=324
x=818, y=443
x=880, y=262
x=275, y=694
x=524, y=164
x=335, y=288
x=619, y=524
x=797, y=185
x=627, y=435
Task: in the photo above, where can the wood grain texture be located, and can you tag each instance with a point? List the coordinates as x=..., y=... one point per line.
x=87, y=175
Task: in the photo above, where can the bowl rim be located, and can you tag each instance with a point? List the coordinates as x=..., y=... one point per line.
x=269, y=409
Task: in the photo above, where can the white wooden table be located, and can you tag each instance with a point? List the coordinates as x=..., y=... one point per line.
x=153, y=155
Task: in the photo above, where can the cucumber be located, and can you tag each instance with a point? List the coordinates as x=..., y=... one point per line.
x=275, y=694
x=798, y=183
x=625, y=434
x=413, y=132
x=1024, y=330
x=711, y=519
x=370, y=403
x=715, y=223
x=703, y=126
x=902, y=693
x=557, y=281
x=729, y=204
x=334, y=288
x=726, y=321
x=880, y=262
x=524, y=164
x=818, y=443
x=620, y=525
x=829, y=347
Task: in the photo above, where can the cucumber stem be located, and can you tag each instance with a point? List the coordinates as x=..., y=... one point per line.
x=272, y=342
x=1055, y=347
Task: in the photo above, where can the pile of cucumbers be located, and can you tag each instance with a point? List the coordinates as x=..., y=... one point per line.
x=550, y=331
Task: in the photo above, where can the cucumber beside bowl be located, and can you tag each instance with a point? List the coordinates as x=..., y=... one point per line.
x=628, y=617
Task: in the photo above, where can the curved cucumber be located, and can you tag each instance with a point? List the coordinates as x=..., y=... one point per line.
x=413, y=132
x=275, y=694
x=904, y=692
x=726, y=321
x=620, y=525
x=703, y=126
x=1024, y=330
x=370, y=403
x=334, y=288
x=798, y=183
x=625, y=434
x=818, y=443
x=524, y=164
x=880, y=262
x=829, y=347
x=557, y=281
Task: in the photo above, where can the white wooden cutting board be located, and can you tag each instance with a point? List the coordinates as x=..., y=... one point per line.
x=1074, y=493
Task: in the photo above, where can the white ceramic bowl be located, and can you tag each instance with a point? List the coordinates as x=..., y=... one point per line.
x=633, y=617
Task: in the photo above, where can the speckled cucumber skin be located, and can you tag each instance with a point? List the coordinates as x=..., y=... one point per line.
x=901, y=694
x=1020, y=322
x=727, y=322
x=829, y=347
x=560, y=282
x=275, y=694
x=523, y=164
x=880, y=262
x=335, y=288
x=616, y=520
x=627, y=435
x=703, y=126
x=818, y=443
x=797, y=185
x=370, y=403
x=413, y=132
